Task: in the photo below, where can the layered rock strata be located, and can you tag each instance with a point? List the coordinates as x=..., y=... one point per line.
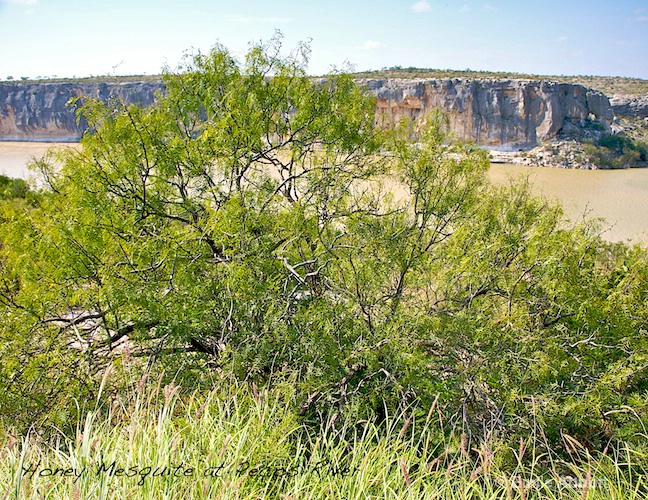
x=39, y=111
x=499, y=114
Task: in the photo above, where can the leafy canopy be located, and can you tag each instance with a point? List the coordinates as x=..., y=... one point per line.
x=254, y=223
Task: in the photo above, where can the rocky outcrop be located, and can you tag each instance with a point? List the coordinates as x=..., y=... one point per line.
x=39, y=111
x=504, y=114
x=630, y=106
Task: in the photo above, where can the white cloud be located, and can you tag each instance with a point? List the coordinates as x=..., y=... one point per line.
x=641, y=19
x=421, y=6
x=372, y=44
x=488, y=6
x=561, y=39
x=21, y=2
x=465, y=8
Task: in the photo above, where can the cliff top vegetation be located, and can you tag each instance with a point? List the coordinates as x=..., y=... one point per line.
x=609, y=85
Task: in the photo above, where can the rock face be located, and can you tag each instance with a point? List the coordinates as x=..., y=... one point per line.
x=500, y=114
x=38, y=111
x=632, y=106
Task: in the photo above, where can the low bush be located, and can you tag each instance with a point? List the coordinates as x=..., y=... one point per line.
x=12, y=188
x=617, y=151
x=245, y=226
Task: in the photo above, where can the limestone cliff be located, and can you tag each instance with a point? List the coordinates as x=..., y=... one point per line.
x=38, y=111
x=504, y=114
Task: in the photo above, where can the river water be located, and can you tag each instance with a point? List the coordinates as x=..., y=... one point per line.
x=619, y=196
x=14, y=156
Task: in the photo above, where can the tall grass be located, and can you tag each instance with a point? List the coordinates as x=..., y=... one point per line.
x=240, y=442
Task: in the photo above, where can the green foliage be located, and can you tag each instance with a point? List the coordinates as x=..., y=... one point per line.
x=243, y=225
x=620, y=144
x=617, y=151
x=13, y=188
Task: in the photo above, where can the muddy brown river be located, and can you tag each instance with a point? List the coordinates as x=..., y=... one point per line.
x=619, y=196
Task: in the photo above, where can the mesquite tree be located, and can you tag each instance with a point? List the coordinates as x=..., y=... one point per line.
x=255, y=223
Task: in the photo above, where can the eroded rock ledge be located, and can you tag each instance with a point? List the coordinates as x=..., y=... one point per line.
x=38, y=111
x=500, y=114
x=508, y=115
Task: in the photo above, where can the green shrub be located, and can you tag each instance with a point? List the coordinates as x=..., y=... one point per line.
x=617, y=151
x=243, y=226
x=12, y=188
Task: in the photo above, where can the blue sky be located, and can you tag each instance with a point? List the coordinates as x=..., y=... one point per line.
x=96, y=37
